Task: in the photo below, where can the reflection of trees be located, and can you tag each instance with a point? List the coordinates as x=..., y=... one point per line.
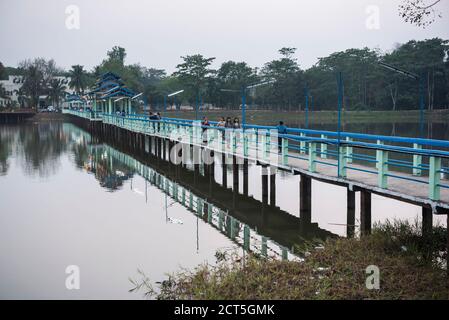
x=42, y=145
x=5, y=149
x=109, y=172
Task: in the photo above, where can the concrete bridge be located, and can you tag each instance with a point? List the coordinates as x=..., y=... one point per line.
x=412, y=170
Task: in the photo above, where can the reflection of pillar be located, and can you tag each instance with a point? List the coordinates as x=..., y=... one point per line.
x=225, y=171
x=264, y=185
x=427, y=220
x=305, y=200
x=272, y=186
x=365, y=212
x=264, y=193
x=350, y=213
x=245, y=177
x=235, y=181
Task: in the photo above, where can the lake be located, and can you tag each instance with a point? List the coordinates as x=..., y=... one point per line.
x=68, y=198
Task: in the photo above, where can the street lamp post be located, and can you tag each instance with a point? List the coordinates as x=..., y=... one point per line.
x=243, y=93
x=420, y=79
x=170, y=95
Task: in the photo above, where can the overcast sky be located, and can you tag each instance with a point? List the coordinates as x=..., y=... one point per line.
x=156, y=33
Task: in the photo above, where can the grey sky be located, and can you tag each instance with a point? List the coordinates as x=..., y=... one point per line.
x=157, y=32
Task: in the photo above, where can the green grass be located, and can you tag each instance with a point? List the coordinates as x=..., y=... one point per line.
x=410, y=268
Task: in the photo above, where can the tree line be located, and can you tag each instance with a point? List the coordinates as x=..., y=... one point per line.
x=367, y=85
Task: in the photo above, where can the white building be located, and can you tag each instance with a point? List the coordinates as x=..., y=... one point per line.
x=14, y=96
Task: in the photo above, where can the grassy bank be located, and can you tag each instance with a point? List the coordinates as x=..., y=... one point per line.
x=321, y=117
x=411, y=267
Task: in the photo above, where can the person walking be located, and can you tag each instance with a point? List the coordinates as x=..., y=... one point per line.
x=236, y=124
x=204, y=124
x=282, y=129
x=221, y=123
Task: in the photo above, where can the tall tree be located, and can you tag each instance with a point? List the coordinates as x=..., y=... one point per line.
x=286, y=73
x=194, y=73
x=117, y=54
x=33, y=84
x=78, y=78
x=56, y=91
x=233, y=75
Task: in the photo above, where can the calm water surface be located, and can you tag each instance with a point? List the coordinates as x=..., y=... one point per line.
x=66, y=200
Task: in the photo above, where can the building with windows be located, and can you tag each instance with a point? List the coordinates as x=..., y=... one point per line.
x=13, y=95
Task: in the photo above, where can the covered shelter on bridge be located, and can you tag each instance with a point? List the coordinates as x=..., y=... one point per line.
x=74, y=101
x=110, y=95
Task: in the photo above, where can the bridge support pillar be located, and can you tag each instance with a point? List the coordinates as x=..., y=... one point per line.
x=264, y=185
x=350, y=213
x=365, y=212
x=235, y=181
x=225, y=171
x=272, y=186
x=245, y=177
x=427, y=220
x=305, y=200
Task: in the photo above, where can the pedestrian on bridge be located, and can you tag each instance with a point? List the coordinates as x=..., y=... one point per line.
x=282, y=129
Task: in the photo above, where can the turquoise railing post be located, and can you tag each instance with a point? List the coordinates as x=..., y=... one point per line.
x=209, y=213
x=434, y=178
x=382, y=169
x=348, y=150
x=267, y=144
x=232, y=227
x=312, y=156
x=264, y=247
x=245, y=144
x=183, y=196
x=191, y=134
x=199, y=207
x=417, y=161
x=246, y=237
x=175, y=191
x=378, y=151
x=234, y=141
x=191, y=201
x=284, y=149
x=323, y=147
x=342, y=162
x=220, y=220
x=257, y=140
x=284, y=253
x=302, y=143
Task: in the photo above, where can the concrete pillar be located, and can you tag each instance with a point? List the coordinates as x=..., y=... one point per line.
x=225, y=171
x=235, y=175
x=264, y=185
x=235, y=181
x=245, y=177
x=427, y=220
x=305, y=200
x=272, y=186
x=365, y=212
x=350, y=213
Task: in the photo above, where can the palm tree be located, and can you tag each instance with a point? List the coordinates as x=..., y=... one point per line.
x=77, y=79
x=33, y=84
x=3, y=92
x=56, y=91
x=21, y=97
